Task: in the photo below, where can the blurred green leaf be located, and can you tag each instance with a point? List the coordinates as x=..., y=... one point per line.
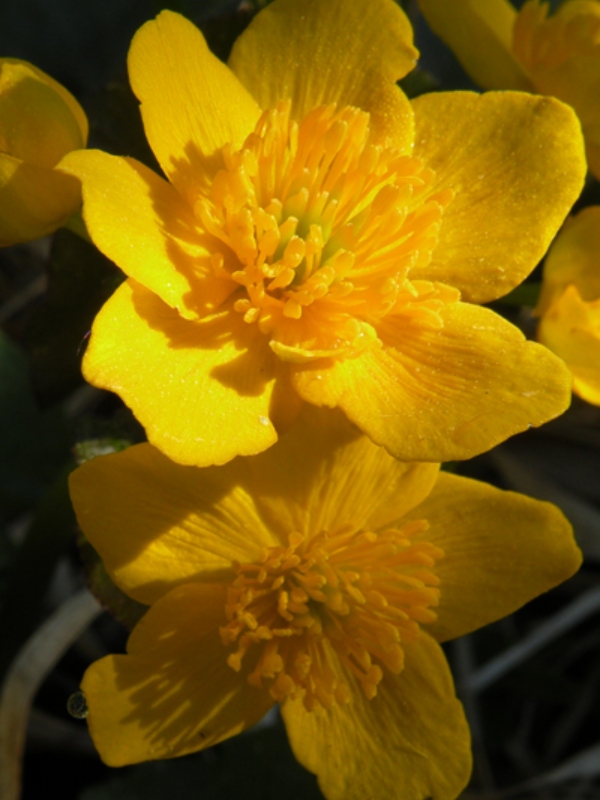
x=256, y=766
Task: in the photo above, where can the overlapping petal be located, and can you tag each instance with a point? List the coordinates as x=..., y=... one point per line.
x=442, y=394
x=410, y=741
x=167, y=524
x=173, y=694
x=191, y=103
x=501, y=550
x=574, y=258
x=553, y=55
x=208, y=395
x=35, y=200
x=571, y=329
x=40, y=121
x=330, y=475
x=327, y=62
x=560, y=55
x=503, y=154
x=569, y=304
x=140, y=222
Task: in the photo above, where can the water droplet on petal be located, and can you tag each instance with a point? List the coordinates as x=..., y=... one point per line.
x=77, y=705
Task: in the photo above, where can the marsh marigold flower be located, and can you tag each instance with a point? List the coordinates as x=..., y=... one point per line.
x=321, y=574
x=40, y=122
x=569, y=304
x=532, y=50
x=315, y=239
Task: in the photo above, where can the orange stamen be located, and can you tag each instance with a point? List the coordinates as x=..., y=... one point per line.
x=351, y=596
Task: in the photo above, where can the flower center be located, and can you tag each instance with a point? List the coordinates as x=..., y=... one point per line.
x=320, y=228
x=349, y=597
x=540, y=41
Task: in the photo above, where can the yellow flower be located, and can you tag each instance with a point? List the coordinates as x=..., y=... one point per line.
x=316, y=236
x=556, y=55
x=569, y=304
x=321, y=574
x=40, y=122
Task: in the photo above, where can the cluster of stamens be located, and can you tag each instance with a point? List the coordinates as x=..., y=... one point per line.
x=313, y=213
x=323, y=609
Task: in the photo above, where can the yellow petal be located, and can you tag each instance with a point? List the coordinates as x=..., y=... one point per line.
x=411, y=741
x=574, y=258
x=34, y=200
x=479, y=33
x=560, y=56
x=40, y=120
x=191, y=103
x=516, y=164
x=323, y=474
x=501, y=549
x=571, y=329
x=202, y=390
x=440, y=395
x=157, y=524
x=140, y=222
x=349, y=52
x=174, y=694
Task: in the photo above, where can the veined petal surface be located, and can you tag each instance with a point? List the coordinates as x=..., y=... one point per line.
x=323, y=474
x=443, y=394
x=191, y=103
x=166, y=524
x=501, y=549
x=140, y=222
x=411, y=741
x=202, y=390
x=174, y=693
x=349, y=52
x=516, y=165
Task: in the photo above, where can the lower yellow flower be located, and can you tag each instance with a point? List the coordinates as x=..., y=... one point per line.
x=320, y=574
x=40, y=122
x=569, y=304
x=555, y=55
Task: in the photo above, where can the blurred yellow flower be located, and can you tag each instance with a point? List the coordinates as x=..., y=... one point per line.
x=316, y=237
x=40, y=122
x=556, y=55
x=569, y=304
x=321, y=574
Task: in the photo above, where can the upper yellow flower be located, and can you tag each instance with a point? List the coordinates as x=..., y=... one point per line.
x=320, y=574
x=556, y=55
x=316, y=236
x=40, y=122
x=569, y=304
